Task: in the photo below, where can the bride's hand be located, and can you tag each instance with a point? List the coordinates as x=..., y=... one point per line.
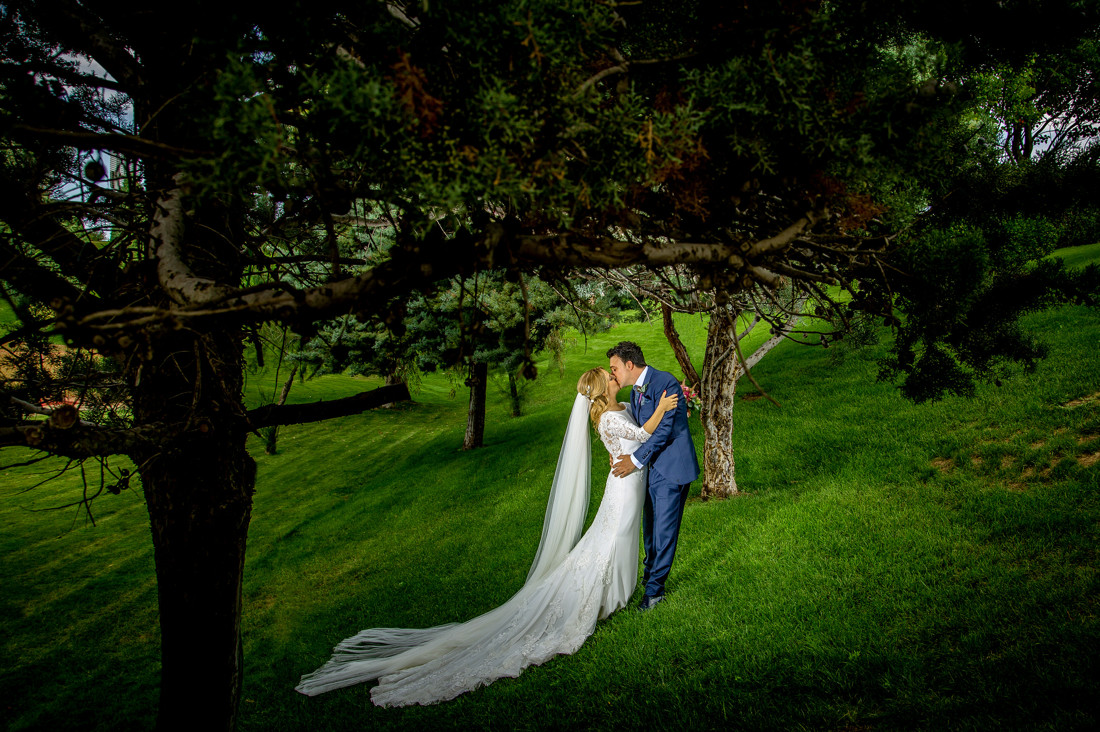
x=668, y=402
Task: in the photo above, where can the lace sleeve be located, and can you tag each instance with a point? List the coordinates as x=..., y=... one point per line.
x=624, y=428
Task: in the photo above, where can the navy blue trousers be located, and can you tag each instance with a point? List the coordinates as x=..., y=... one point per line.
x=661, y=517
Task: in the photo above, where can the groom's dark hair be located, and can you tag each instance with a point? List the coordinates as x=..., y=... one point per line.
x=628, y=351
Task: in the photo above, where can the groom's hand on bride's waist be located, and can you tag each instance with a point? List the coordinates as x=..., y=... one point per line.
x=623, y=467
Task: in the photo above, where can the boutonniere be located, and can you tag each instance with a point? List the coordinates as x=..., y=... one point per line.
x=640, y=389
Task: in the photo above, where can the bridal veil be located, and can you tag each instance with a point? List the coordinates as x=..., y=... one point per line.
x=434, y=664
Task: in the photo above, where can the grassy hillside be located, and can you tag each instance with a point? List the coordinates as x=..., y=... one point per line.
x=892, y=566
x=1079, y=256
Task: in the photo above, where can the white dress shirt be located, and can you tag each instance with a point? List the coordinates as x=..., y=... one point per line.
x=640, y=380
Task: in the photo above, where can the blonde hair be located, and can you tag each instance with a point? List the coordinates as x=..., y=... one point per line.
x=593, y=384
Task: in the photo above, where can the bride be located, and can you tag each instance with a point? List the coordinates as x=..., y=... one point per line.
x=573, y=582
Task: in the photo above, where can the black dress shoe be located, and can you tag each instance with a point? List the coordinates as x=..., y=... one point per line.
x=648, y=602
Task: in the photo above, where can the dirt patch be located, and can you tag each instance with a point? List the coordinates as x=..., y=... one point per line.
x=977, y=460
x=1037, y=444
x=1007, y=461
x=1073, y=404
x=1020, y=485
x=943, y=464
x=1087, y=461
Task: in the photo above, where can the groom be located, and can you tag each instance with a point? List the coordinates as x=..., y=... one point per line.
x=670, y=455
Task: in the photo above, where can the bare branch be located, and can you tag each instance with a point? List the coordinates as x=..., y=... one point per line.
x=82, y=442
x=176, y=278
x=781, y=334
x=52, y=413
x=359, y=222
x=592, y=80
x=22, y=209
x=748, y=372
x=801, y=274
x=673, y=337
x=783, y=239
x=764, y=277
x=306, y=259
x=124, y=144
x=750, y=326
x=275, y=414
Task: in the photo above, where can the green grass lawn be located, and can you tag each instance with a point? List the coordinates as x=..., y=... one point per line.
x=892, y=566
x=1079, y=256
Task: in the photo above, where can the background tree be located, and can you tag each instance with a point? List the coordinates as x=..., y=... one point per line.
x=493, y=321
x=285, y=348
x=730, y=319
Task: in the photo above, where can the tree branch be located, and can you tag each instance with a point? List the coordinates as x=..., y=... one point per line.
x=124, y=144
x=783, y=239
x=58, y=416
x=417, y=266
x=284, y=414
x=86, y=32
x=748, y=372
x=24, y=213
x=79, y=441
x=35, y=280
x=176, y=278
x=306, y=259
x=682, y=357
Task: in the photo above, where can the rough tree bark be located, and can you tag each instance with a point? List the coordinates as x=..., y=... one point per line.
x=199, y=512
x=198, y=484
x=718, y=388
x=475, y=422
x=717, y=393
x=198, y=488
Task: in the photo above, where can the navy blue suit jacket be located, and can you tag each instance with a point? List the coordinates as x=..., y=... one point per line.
x=669, y=451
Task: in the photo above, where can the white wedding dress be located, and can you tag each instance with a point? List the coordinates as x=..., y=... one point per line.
x=572, y=584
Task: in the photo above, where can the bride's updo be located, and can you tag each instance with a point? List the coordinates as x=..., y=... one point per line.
x=593, y=384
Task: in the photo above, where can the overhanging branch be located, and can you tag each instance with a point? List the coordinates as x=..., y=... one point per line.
x=284, y=414
x=79, y=441
x=113, y=142
x=417, y=266
x=783, y=239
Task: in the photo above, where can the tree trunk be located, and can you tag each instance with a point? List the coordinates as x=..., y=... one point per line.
x=273, y=432
x=198, y=490
x=717, y=394
x=393, y=378
x=475, y=422
x=513, y=392
x=199, y=511
x=198, y=485
x=721, y=371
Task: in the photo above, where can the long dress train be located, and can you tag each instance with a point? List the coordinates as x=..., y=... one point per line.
x=553, y=613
